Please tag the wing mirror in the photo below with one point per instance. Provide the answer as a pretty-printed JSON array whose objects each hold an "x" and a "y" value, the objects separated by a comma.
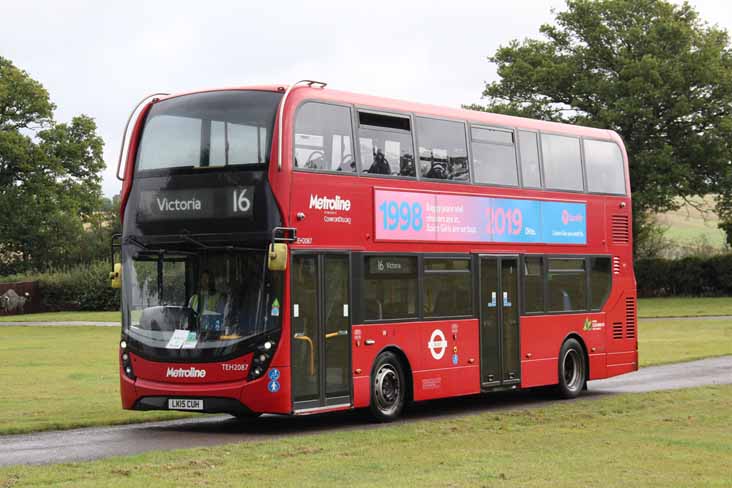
[
  {"x": 277, "y": 257},
  {"x": 116, "y": 276}
]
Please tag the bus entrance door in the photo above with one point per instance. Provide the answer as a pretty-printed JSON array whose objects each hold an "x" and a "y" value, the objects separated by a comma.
[
  {"x": 499, "y": 321},
  {"x": 321, "y": 330}
]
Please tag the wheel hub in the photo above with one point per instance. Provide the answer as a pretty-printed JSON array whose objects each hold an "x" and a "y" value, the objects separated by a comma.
[{"x": 387, "y": 389}]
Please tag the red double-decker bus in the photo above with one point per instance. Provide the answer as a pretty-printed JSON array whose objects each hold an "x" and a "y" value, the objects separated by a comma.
[{"x": 297, "y": 250}]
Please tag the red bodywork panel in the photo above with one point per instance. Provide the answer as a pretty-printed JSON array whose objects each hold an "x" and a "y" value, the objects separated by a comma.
[{"x": 610, "y": 340}]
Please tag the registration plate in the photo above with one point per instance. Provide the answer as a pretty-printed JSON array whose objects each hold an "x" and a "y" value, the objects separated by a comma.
[{"x": 184, "y": 404}]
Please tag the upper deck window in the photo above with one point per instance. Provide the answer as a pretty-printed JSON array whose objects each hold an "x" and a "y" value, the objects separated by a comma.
[
  {"x": 323, "y": 138},
  {"x": 530, "y": 166},
  {"x": 443, "y": 152},
  {"x": 210, "y": 129},
  {"x": 386, "y": 144},
  {"x": 562, "y": 162},
  {"x": 494, "y": 157},
  {"x": 604, "y": 164}
]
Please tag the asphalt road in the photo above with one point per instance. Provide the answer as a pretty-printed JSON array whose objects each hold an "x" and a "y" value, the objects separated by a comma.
[{"x": 95, "y": 443}]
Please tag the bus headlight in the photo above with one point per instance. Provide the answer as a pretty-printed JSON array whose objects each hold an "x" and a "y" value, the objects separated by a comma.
[
  {"x": 126, "y": 361},
  {"x": 262, "y": 358}
]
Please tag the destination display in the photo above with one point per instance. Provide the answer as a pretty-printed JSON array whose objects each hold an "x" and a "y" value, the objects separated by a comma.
[
  {"x": 196, "y": 204},
  {"x": 414, "y": 216}
]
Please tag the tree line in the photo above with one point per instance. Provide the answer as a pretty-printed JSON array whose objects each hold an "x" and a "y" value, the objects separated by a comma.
[{"x": 52, "y": 212}]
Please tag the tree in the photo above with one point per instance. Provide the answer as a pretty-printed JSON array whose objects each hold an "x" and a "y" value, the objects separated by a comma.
[
  {"x": 50, "y": 175},
  {"x": 648, "y": 69}
]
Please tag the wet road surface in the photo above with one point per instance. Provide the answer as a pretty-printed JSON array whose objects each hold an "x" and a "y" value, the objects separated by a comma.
[{"x": 100, "y": 442}]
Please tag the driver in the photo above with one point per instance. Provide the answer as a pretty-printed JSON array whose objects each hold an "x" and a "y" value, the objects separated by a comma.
[{"x": 207, "y": 300}]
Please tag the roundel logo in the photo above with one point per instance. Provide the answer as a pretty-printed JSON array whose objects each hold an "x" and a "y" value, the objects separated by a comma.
[{"x": 437, "y": 344}]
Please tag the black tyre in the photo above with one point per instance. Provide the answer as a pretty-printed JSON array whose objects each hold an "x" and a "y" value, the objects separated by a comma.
[
  {"x": 388, "y": 388},
  {"x": 572, "y": 369}
]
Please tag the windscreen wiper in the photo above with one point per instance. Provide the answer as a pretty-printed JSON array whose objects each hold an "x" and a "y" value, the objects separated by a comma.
[
  {"x": 202, "y": 245},
  {"x": 134, "y": 240}
]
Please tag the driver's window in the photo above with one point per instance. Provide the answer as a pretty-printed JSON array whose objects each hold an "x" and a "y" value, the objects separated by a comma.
[
  {"x": 323, "y": 138},
  {"x": 386, "y": 144}
]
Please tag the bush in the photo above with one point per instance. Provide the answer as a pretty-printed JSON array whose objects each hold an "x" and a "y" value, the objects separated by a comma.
[
  {"x": 691, "y": 276},
  {"x": 84, "y": 287}
]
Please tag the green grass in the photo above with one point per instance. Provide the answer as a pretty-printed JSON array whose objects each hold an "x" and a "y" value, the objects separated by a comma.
[
  {"x": 61, "y": 378},
  {"x": 673, "y": 341},
  {"x": 694, "y": 228},
  {"x": 684, "y": 307},
  {"x": 63, "y": 317},
  {"x": 65, "y": 377},
  {"x": 663, "y": 439}
]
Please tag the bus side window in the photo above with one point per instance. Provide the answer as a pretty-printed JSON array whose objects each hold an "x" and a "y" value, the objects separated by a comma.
[
  {"x": 447, "y": 288},
  {"x": 530, "y": 168},
  {"x": 534, "y": 284},
  {"x": 385, "y": 142},
  {"x": 390, "y": 287},
  {"x": 562, "y": 162},
  {"x": 443, "y": 151},
  {"x": 567, "y": 285},
  {"x": 601, "y": 281},
  {"x": 494, "y": 156},
  {"x": 323, "y": 138},
  {"x": 605, "y": 173}
]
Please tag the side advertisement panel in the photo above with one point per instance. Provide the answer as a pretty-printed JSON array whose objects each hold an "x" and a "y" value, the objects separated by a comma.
[{"x": 414, "y": 216}]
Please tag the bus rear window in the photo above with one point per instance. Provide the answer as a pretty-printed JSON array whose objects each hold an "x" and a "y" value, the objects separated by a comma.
[{"x": 212, "y": 129}]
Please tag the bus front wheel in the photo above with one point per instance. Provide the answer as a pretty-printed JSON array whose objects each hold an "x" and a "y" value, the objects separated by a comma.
[
  {"x": 388, "y": 387},
  {"x": 572, "y": 369}
]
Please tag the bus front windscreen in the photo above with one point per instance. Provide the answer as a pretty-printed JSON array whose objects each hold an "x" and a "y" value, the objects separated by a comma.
[
  {"x": 194, "y": 305},
  {"x": 211, "y": 129}
]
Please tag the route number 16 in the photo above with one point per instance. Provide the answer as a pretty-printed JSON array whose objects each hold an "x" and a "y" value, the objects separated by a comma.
[{"x": 241, "y": 201}]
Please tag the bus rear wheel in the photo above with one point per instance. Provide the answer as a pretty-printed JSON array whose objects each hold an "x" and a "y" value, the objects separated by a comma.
[
  {"x": 572, "y": 369},
  {"x": 388, "y": 387}
]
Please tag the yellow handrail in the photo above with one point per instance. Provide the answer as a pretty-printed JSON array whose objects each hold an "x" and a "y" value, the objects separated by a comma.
[{"x": 311, "y": 347}]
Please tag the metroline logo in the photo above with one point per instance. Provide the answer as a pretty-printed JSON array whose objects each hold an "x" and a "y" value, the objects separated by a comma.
[
  {"x": 325, "y": 203},
  {"x": 185, "y": 373}
]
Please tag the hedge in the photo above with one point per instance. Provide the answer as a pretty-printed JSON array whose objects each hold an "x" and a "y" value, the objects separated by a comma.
[
  {"x": 691, "y": 276},
  {"x": 84, "y": 287}
]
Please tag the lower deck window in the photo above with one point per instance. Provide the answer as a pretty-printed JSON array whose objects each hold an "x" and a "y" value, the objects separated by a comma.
[
  {"x": 390, "y": 287},
  {"x": 534, "y": 284},
  {"x": 447, "y": 288},
  {"x": 567, "y": 285}
]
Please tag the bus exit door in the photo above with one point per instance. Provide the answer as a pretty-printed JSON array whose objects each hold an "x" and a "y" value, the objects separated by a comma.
[
  {"x": 499, "y": 321},
  {"x": 321, "y": 330}
]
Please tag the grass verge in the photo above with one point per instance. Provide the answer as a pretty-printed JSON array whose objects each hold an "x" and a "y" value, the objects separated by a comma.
[
  {"x": 673, "y": 341},
  {"x": 64, "y": 317},
  {"x": 61, "y": 378},
  {"x": 684, "y": 307},
  {"x": 672, "y": 438}
]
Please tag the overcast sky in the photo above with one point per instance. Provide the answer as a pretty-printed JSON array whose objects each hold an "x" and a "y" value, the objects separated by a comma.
[{"x": 99, "y": 58}]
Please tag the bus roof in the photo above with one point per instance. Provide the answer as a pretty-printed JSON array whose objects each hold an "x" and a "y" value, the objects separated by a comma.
[{"x": 304, "y": 92}]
